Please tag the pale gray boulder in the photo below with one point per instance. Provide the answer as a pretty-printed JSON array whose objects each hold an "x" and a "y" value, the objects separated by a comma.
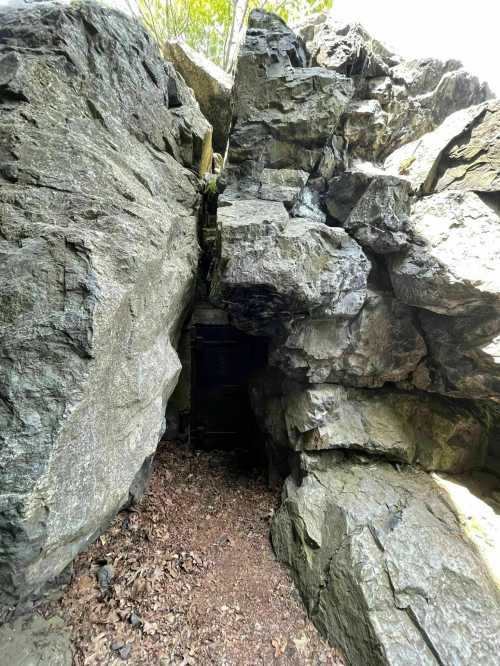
[
  {"x": 419, "y": 160},
  {"x": 97, "y": 265},
  {"x": 35, "y": 641},
  {"x": 383, "y": 566},
  {"x": 451, "y": 267},
  {"x": 282, "y": 185},
  {"x": 411, "y": 428},
  {"x": 472, "y": 161},
  {"x": 211, "y": 85},
  {"x": 381, "y": 344},
  {"x": 272, "y": 267}
]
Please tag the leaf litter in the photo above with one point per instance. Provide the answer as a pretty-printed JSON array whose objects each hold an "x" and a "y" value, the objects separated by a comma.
[{"x": 188, "y": 576}]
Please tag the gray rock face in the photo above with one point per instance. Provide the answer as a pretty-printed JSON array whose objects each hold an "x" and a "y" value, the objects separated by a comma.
[
  {"x": 274, "y": 267},
  {"x": 396, "y": 101},
  {"x": 411, "y": 428},
  {"x": 284, "y": 112},
  {"x": 419, "y": 161},
  {"x": 464, "y": 356},
  {"x": 98, "y": 259},
  {"x": 452, "y": 267},
  {"x": 472, "y": 162},
  {"x": 380, "y": 219},
  {"x": 383, "y": 567},
  {"x": 347, "y": 48},
  {"x": 347, "y": 351},
  {"x": 35, "y": 641},
  {"x": 211, "y": 86}
]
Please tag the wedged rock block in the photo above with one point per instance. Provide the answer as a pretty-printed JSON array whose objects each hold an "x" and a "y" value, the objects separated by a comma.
[
  {"x": 380, "y": 219},
  {"x": 472, "y": 162},
  {"x": 98, "y": 255},
  {"x": 383, "y": 566},
  {"x": 211, "y": 85},
  {"x": 272, "y": 267},
  {"x": 284, "y": 111},
  {"x": 419, "y": 161},
  {"x": 451, "y": 266},
  {"x": 433, "y": 432},
  {"x": 464, "y": 356},
  {"x": 380, "y": 344}
]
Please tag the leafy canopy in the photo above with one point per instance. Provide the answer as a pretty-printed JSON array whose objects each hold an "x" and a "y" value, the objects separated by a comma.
[{"x": 214, "y": 27}]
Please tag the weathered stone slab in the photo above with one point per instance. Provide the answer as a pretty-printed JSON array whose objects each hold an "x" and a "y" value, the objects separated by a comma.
[
  {"x": 211, "y": 86},
  {"x": 381, "y": 344},
  {"x": 419, "y": 161},
  {"x": 383, "y": 566},
  {"x": 472, "y": 162},
  {"x": 430, "y": 431},
  {"x": 452, "y": 266},
  {"x": 274, "y": 267}
]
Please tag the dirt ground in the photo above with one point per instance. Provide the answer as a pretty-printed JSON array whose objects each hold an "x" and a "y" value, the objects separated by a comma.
[{"x": 188, "y": 577}]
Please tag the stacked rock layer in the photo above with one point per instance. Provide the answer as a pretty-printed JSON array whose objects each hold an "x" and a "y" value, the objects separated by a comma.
[{"x": 359, "y": 231}]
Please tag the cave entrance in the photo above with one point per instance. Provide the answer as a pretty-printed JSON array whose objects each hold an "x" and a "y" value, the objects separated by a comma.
[{"x": 222, "y": 361}]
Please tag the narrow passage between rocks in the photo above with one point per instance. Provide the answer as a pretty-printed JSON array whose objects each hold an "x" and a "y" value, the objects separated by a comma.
[{"x": 189, "y": 575}]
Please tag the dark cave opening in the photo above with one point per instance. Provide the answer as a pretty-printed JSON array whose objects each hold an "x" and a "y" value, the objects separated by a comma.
[{"x": 211, "y": 404}]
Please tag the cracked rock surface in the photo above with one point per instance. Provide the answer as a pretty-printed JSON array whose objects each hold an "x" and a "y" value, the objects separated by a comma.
[
  {"x": 98, "y": 256},
  {"x": 383, "y": 567}
]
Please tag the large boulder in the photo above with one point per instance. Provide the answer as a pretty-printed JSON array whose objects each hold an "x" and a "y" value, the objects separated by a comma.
[
  {"x": 98, "y": 261},
  {"x": 419, "y": 161},
  {"x": 346, "y": 351},
  {"x": 284, "y": 111},
  {"x": 432, "y": 432},
  {"x": 211, "y": 86},
  {"x": 452, "y": 266},
  {"x": 384, "y": 567},
  {"x": 272, "y": 267}
]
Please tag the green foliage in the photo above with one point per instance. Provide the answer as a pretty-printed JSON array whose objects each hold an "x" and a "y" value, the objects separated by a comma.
[{"x": 214, "y": 27}]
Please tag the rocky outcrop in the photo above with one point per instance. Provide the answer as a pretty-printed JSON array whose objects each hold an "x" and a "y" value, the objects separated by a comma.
[
  {"x": 211, "y": 86},
  {"x": 284, "y": 111},
  {"x": 272, "y": 267},
  {"x": 382, "y": 565},
  {"x": 396, "y": 101},
  {"x": 347, "y": 242},
  {"x": 356, "y": 233},
  {"x": 346, "y": 351},
  {"x": 99, "y": 139},
  {"x": 433, "y": 432}
]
